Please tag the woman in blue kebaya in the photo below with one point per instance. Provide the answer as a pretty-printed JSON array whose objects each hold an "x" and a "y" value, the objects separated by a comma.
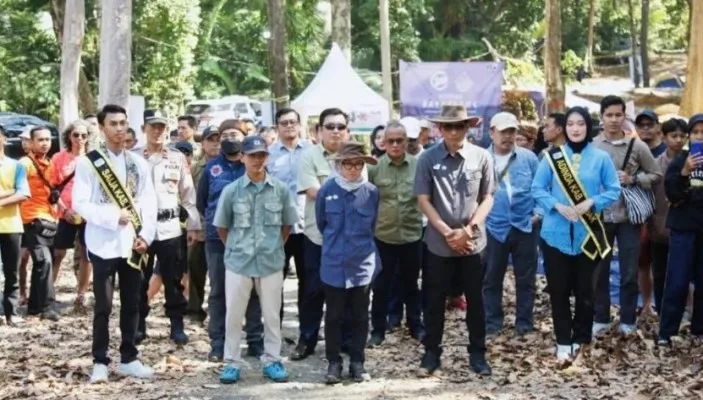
[
  {"x": 572, "y": 248},
  {"x": 346, "y": 209}
]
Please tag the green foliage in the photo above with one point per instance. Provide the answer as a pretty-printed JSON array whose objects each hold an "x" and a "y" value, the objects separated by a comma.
[{"x": 570, "y": 63}]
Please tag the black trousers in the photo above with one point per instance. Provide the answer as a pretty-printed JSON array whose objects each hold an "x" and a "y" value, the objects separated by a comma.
[
  {"x": 355, "y": 301},
  {"x": 660, "y": 262},
  {"x": 442, "y": 273},
  {"x": 103, "y": 287},
  {"x": 10, "y": 253},
  {"x": 568, "y": 274},
  {"x": 294, "y": 249},
  {"x": 41, "y": 292},
  {"x": 171, "y": 269},
  {"x": 400, "y": 263}
]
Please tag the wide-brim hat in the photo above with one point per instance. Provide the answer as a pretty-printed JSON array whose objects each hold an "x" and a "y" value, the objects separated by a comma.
[
  {"x": 452, "y": 114},
  {"x": 350, "y": 150}
]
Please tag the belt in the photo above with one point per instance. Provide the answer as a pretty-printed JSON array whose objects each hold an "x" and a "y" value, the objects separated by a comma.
[{"x": 167, "y": 214}]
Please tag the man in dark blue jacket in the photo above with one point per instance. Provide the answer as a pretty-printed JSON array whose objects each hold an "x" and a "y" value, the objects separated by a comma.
[{"x": 218, "y": 173}]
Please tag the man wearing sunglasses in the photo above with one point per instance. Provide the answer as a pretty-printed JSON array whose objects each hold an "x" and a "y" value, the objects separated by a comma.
[
  {"x": 314, "y": 169},
  {"x": 455, "y": 184}
]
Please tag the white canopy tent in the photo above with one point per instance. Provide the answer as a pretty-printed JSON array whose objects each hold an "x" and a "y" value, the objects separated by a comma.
[{"x": 338, "y": 85}]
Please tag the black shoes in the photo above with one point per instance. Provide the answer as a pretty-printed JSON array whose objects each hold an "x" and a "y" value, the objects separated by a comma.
[
  {"x": 51, "y": 315},
  {"x": 301, "y": 352},
  {"x": 429, "y": 364},
  {"x": 178, "y": 334},
  {"x": 255, "y": 350},
  {"x": 374, "y": 341},
  {"x": 334, "y": 373},
  {"x": 479, "y": 364},
  {"x": 357, "y": 373}
]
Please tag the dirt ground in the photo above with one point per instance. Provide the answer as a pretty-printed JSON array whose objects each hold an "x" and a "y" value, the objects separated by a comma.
[{"x": 53, "y": 361}]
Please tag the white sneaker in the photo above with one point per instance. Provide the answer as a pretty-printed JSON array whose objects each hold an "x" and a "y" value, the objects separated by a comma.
[
  {"x": 575, "y": 348},
  {"x": 99, "y": 373},
  {"x": 135, "y": 369},
  {"x": 598, "y": 328},
  {"x": 626, "y": 329},
  {"x": 563, "y": 352}
]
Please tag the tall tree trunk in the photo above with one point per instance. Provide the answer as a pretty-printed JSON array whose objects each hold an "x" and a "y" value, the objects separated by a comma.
[
  {"x": 277, "y": 52},
  {"x": 590, "y": 62},
  {"x": 692, "y": 101},
  {"x": 341, "y": 25},
  {"x": 633, "y": 39},
  {"x": 73, "y": 32},
  {"x": 644, "y": 43},
  {"x": 86, "y": 99},
  {"x": 115, "y": 52},
  {"x": 552, "y": 57}
]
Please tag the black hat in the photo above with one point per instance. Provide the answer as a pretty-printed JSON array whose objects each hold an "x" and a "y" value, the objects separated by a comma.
[
  {"x": 694, "y": 120},
  {"x": 209, "y": 131},
  {"x": 647, "y": 114},
  {"x": 185, "y": 147},
  {"x": 254, "y": 144},
  {"x": 155, "y": 117}
]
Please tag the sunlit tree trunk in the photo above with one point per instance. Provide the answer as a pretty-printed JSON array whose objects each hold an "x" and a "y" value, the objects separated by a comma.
[
  {"x": 277, "y": 52},
  {"x": 589, "y": 61},
  {"x": 552, "y": 57},
  {"x": 692, "y": 101},
  {"x": 115, "y": 52},
  {"x": 633, "y": 39},
  {"x": 341, "y": 25},
  {"x": 644, "y": 43},
  {"x": 73, "y": 32}
]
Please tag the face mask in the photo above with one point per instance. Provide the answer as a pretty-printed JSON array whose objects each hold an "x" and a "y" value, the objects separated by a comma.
[{"x": 231, "y": 147}]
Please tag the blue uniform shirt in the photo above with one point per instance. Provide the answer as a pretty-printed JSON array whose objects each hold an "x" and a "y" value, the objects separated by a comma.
[
  {"x": 513, "y": 202},
  {"x": 600, "y": 181},
  {"x": 283, "y": 165},
  {"x": 347, "y": 221},
  {"x": 217, "y": 174}
]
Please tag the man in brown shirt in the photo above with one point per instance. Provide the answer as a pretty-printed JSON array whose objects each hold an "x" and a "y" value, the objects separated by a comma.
[{"x": 641, "y": 170}]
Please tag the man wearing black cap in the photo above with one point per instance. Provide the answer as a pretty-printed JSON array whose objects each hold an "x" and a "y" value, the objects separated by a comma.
[
  {"x": 647, "y": 124},
  {"x": 174, "y": 188},
  {"x": 197, "y": 263}
]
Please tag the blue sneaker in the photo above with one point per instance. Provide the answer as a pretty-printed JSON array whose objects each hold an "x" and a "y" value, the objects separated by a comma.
[
  {"x": 229, "y": 375},
  {"x": 276, "y": 372}
]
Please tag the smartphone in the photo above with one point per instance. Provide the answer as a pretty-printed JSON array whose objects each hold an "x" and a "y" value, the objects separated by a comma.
[{"x": 696, "y": 148}]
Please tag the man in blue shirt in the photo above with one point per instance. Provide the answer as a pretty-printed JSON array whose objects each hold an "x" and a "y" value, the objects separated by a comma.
[
  {"x": 219, "y": 173},
  {"x": 283, "y": 162},
  {"x": 510, "y": 228}
]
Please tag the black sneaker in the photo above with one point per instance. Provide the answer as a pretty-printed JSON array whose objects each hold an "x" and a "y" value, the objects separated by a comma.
[
  {"x": 429, "y": 364},
  {"x": 479, "y": 364},
  {"x": 418, "y": 334},
  {"x": 663, "y": 342},
  {"x": 375, "y": 341},
  {"x": 357, "y": 373},
  {"x": 178, "y": 334},
  {"x": 140, "y": 337},
  {"x": 215, "y": 356},
  {"x": 334, "y": 373},
  {"x": 255, "y": 350},
  {"x": 51, "y": 315},
  {"x": 301, "y": 352}
]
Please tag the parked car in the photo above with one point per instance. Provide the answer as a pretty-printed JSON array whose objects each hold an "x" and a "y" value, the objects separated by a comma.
[
  {"x": 213, "y": 112},
  {"x": 15, "y": 124}
]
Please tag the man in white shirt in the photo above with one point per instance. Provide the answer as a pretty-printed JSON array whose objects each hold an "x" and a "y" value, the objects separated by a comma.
[{"x": 112, "y": 238}]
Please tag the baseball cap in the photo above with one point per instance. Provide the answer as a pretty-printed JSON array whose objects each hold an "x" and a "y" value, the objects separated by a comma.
[
  {"x": 254, "y": 144},
  {"x": 412, "y": 127},
  {"x": 647, "y": 114},
  {"x": 185, "y": 147},
  {"x": 209, "y": 131},
  {"x": 504, "y": 120},
  {"x": 694, "y": 120},
  {"x": 155, "y": 117}
]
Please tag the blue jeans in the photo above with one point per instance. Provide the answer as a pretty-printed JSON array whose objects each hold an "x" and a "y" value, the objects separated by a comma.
[
  {"x": 217, "y": 306},
  {"x": 685, "y": 265},
  {"x": 313, "y": 301},
  {"x": 523, "y": 248},
  {"x": 628, "y": 236}
]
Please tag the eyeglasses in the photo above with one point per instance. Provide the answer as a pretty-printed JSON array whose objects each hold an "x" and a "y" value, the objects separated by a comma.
[
  {"x": 333, "y": 127},
  {"x": 288, "y": 122},
  {"x": 392, "y": 142},
  {"x": 79, "y": 135},
  {"x": 353, "y": 166},
  {"x": 455, "y": 126}
]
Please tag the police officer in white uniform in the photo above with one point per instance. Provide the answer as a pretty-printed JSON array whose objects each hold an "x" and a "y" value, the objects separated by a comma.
[{"x": 174, "y": 188}]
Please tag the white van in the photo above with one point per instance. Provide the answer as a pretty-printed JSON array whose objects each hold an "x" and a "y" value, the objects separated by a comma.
[{"x": 213, "y": 112}]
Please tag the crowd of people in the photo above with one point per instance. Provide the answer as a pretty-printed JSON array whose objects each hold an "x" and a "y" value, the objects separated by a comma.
[{"x": 360, "y": 227}]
